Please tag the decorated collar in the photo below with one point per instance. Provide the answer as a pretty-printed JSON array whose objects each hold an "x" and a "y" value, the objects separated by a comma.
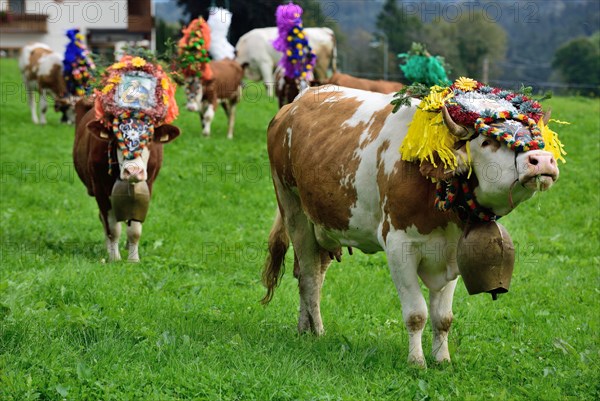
[
  {"x": 457, "y": 195},
  {"x": 193, "y": 50},
  {"x": 298, "y": 58}
]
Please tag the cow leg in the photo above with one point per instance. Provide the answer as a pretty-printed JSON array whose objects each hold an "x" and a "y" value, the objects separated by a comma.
[
  {"x": 403, "y": 260},
  {"x": 231, "y": 116},
  {"x": 310, "y": 261},
  {"x": 266, "y": 71},
  {"x": 134, "y": 232},
  {"x": 208, "y": 113},
  {"x": 440, "y": 309},
  {"x": 113, "y": 233},
  {"x": 43, "y": 106},
  {"x": 31, "y": 102}
]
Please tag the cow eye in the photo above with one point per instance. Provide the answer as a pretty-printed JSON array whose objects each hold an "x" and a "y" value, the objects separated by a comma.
[{"x": 485, "y": 143}]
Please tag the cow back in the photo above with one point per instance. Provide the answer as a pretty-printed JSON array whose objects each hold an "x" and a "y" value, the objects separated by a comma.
[
  {"x": 379, "y": 86},
  {"x": 227, "y": 79}
]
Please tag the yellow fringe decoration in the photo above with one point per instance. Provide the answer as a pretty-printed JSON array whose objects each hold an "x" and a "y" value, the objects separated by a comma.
[
  {"x": 551, "y": 142},
  {"x": 427, "y": 135}
]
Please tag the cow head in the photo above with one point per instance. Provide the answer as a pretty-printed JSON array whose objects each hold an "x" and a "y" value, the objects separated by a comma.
[
  {"x": 66, "y": 106},
  {"x": 193, "y": 92},
  {"x": 134, "y": 145},
  {"x": 505, "y": 177}
]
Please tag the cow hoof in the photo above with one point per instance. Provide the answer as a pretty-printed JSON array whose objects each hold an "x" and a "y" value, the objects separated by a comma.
[
  {"x": 417, "y": 362},
  {"x": 133, "y": 260},
  {"x": 114, "y": 258}
]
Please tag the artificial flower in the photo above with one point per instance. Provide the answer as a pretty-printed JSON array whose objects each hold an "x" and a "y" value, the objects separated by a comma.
[
  {"x": 465, "y": 84},
  {"x": 138, "y": 62},
  {"x": 107, "y": 88}
]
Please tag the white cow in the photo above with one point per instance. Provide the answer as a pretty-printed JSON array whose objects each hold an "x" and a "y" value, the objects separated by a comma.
[{"x": 255, "y": 49}]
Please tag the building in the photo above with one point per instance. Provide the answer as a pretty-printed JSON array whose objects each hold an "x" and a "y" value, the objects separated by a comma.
[{"x": 103, "y": 22}]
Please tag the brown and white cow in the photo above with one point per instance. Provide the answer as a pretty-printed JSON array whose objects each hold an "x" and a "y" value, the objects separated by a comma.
[
  {"x": 42, "y": 71},
  {"x": 224, "y": 88},
  {"x": 349, "y": 81},
  {"x": 93, "y": 144},
  {"x": 340, "y": 182}
]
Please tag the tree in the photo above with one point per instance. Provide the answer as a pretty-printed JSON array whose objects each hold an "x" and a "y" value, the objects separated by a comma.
[
  {"x": 164, "y": 32},
  {"x": 400, "y": 28},
  {"x": 578, "y": 62},
  {"x": 466, "y": 43}
]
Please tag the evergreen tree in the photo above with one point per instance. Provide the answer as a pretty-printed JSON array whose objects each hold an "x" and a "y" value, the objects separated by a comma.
[{"x": 578, "y": 62}]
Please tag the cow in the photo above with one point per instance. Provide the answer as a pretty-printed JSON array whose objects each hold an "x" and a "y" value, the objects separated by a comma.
[
  {"x": 42, "y": 71},
  {"x": 255, "y": 49},
  {"x": 92, "y": 147},
  {"x": 340, "y": 181},
  {"x": 349, "y": 81},
  {"x": 224, "y": 88}
]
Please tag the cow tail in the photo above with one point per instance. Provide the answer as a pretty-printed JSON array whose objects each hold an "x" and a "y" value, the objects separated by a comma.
[{"x": 279, "y": 242}]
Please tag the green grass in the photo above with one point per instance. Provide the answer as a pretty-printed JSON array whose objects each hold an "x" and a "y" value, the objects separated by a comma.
[{"x": 186, "y": 324}]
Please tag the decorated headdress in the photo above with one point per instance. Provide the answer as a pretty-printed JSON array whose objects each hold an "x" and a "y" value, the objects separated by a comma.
[
  {"x": 219, "y": 20},
  {"x": 471, "y": 104},
  {"x": 136, "y": 97},
  {"x": 193, "y": 50},
  {"x": 420, "y": 66},
  {"x": 78, "y": 66},
  {"x": 298, "y": 59}
]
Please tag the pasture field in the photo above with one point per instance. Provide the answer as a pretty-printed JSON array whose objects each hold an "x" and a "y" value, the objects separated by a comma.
[{"x": 186, "y": 323}]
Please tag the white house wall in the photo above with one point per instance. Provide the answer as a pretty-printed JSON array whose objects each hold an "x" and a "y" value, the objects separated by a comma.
[{"x": 65, "y": 15}]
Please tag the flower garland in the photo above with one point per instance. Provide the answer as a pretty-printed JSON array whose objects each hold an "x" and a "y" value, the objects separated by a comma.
[
  {"x": 298, "y": 58},
  {"x": 78, "y": 66},
  {"x": 193, "y": 50},
  {"x": 517, "y": 142},
  {"x": 136, "y": 97}
]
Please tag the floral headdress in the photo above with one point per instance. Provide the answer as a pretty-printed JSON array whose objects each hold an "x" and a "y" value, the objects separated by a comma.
[
  {"x": 78, "y": 66},
  {"x": 193, "y": 50},
  {"x": 136, "y": 97},
  {"x": 472, "y": 104},
  {"x": 219, "y": 20},
  {"x": 298, "y": 58}
]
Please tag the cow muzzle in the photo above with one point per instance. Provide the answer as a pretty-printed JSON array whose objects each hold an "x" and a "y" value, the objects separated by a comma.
[
  {"x": 539, "y": 171},
  {"x": 192, "y": 106},
  {"x": 133, "y": 171}
]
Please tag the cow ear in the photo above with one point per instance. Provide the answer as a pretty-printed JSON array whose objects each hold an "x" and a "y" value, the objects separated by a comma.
[
  {"x": 98, "y": 130},
  {"x": 166, "y": 133},
  {"x": 439, "y": 171}
]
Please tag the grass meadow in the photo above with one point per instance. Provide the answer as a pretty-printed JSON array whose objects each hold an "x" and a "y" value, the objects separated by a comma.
[{"x": 186, "y": 323}]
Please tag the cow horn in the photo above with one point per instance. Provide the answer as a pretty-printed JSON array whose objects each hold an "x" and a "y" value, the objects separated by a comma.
[
  {"x": 456, "y": 130},
  {"x": 546, "y": 116}
]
